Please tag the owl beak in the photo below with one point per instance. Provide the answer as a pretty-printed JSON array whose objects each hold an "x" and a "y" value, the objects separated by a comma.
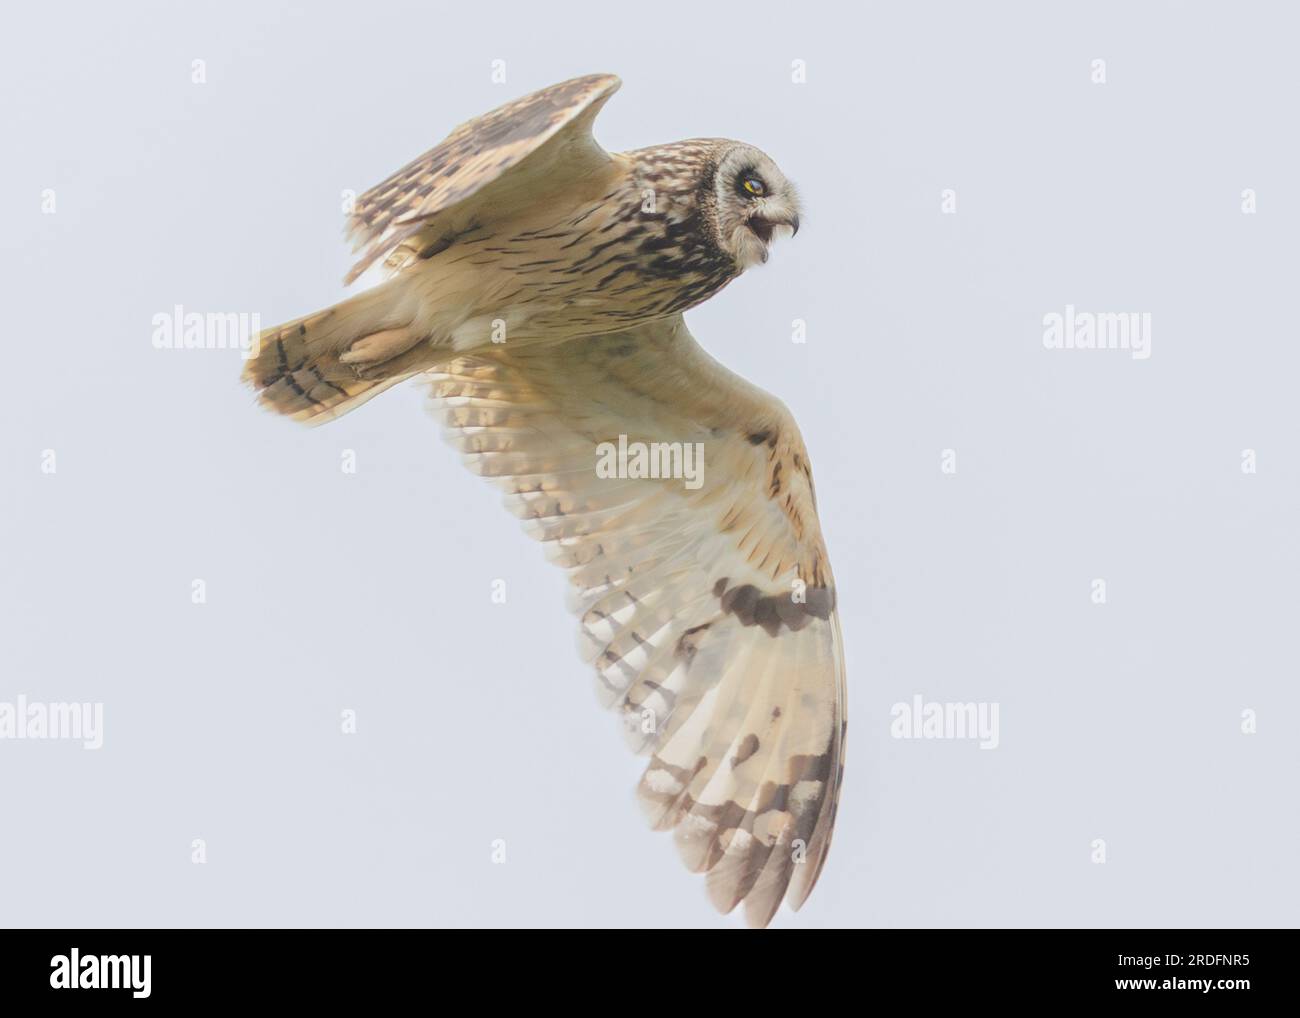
[{"x": 764, "y": 227}]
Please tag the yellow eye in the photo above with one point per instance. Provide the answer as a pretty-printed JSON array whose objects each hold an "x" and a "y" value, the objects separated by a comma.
[{"x": 754, "y": 186}]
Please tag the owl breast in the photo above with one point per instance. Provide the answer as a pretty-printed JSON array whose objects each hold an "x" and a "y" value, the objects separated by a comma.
[{"x": 641, "y": 252}]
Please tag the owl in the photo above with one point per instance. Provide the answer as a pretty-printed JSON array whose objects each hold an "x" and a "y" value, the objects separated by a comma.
[
  {"x": 519, "y": 228},
  {"x": 677, "y": 497}
]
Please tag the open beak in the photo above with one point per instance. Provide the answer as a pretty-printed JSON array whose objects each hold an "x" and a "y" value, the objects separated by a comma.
[{"x": 765, "y": 226}]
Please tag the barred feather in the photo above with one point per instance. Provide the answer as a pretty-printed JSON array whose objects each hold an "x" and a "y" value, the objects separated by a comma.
[{"x": 688, "y": 600}]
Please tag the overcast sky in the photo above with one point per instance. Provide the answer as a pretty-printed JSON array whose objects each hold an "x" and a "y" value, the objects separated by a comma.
[{"x": 966, "y": 174}]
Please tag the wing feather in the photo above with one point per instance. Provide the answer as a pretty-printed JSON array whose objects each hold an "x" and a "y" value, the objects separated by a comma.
[
  {"x": 477, "y": 165},
  {"x": 707, "y": 611}
]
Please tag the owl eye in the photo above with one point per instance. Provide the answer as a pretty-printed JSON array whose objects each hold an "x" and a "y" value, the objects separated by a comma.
[{"x": 752, "y": 185}]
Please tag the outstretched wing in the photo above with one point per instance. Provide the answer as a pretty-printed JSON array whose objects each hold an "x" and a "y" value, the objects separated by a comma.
[
  {"x": 706, "y": 600},
  {"x": 486, "y": 151}
]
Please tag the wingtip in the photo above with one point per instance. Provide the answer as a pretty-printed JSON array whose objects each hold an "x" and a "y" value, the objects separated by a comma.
[{"x": 611, "y": 83}]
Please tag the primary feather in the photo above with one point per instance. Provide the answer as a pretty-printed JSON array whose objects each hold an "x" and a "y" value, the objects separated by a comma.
[{"x": 708, "y": 612}]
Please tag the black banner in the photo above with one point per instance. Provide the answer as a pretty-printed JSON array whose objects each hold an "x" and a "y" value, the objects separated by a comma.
[{"x": 152, "y": 968}]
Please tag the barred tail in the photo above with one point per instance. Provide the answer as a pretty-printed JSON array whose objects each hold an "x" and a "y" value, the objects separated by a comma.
[{"x": 321, "y": 366}]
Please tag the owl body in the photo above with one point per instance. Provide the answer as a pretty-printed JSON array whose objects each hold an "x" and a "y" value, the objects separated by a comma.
[
  {"x": 540, "y": 282},
  {"x": 519, "y": 228},
  {"x": 636, "y": 244}
]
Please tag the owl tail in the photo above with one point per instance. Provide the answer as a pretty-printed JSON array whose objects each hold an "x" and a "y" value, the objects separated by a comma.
[{"x": 321, "y": 366}]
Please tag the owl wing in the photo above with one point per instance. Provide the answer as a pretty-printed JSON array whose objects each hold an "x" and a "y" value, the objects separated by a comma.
[
  {"x": 480, "y": 153},
  {"x": 706, "y": 601}
]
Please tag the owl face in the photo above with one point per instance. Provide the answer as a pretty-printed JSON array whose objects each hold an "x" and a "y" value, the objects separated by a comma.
[{"x": 754, "y": 202}]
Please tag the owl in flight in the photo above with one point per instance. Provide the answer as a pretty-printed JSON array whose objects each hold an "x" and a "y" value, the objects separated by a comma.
[{"x": 539, "y": 282}]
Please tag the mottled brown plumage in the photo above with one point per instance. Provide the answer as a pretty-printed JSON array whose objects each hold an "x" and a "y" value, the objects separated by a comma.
[
  {"x": 708, "y": 613},
  {"x": 543, "y": 281},
  {"x": 519, "y": 228}
]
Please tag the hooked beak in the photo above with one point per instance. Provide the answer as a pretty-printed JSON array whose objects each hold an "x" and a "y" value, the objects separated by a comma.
[{"x": 765, "y": 226}]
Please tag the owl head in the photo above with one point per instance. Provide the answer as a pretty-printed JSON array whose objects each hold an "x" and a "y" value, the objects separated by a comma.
[{"x": 753, "y": 202}]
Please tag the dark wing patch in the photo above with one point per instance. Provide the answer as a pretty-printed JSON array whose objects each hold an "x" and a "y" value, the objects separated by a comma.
[
  {"x": 474, "y": 154},
  {"x": 774, "y": 611},
  {"x": 688, "y": 606}
]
